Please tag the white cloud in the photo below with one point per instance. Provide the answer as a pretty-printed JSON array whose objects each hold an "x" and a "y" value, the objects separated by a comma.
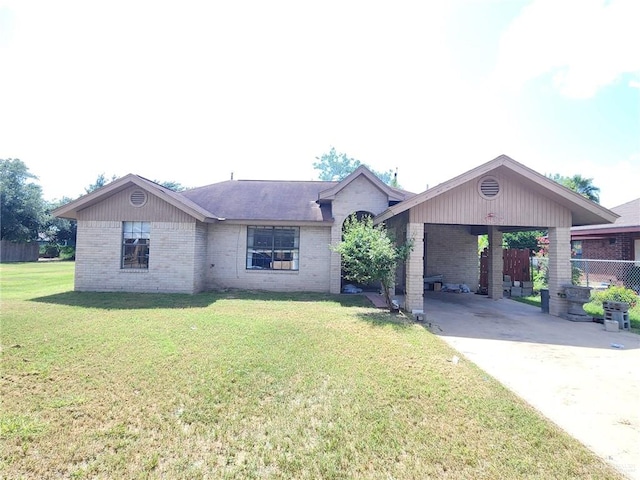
[{"x": 583, "y": 44}]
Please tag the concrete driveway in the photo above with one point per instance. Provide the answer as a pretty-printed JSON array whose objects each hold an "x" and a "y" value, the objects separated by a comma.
[{"x": 566, "y": 370}]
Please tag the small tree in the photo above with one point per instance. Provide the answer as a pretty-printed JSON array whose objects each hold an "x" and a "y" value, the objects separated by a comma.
[
  {"x": 370, "y": 254},
  {"x": 334, "y": 166}
]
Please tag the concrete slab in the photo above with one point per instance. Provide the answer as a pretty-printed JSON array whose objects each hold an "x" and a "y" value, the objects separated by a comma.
[{"x": 570, "y": 372}]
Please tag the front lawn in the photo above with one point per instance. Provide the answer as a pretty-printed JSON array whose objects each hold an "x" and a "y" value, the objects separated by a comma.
[{"x": 250, "y": 385}]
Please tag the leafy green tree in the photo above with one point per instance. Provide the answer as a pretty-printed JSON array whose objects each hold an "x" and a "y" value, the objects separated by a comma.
[
  {"x": 370, "y": 254},
  {"x": 100, "y": 182},
  {"x": 335, "y": 166},
  {"x": 21, "y": 203},
  {"x": 59, "y": 231},
  {"x": 521, "y": 240},
  {"x": 175, "y": 186},
  {"x": 579, "y": 184}
]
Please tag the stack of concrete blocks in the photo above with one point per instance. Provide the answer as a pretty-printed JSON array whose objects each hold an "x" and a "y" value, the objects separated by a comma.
[
  {"x": 527, "y": 289},
  {"x": 506, "y": 286},
  {"x": 516, "y": 288},
  {"x": 618, "y": 312}
]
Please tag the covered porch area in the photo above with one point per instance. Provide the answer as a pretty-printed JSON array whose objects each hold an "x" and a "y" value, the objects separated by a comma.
[{"x": 444, "y": 222}]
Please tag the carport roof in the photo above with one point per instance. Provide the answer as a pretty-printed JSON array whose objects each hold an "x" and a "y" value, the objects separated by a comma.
[{"x": 583, "y": 211}]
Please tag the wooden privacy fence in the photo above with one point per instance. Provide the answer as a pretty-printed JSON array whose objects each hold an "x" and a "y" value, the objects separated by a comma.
[
  {"x": 18, "y": 252},
  {"x": 515, "y": 263}
]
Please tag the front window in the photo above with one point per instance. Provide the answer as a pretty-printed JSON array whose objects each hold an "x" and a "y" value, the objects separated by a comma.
[
  {"x": 135, "y": 244},
  {"x": 272, "y": 248}
]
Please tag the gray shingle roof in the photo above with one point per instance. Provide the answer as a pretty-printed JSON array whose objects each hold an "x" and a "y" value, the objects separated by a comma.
[
  {"x": 263, "y": 200},
  {"x": 629, "y": 217}
]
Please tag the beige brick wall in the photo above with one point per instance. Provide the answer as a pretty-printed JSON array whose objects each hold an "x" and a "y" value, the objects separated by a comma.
[
  {"x": 201, "y": 266},
  {"x": 171, "y": 259},
  {"x": 359, "y": 195},
  {"x": 453, "y": 252},
  {"x": 227, "y": 251},
  {"x": 559, "y": 269},
  {"x": 414, "y": 298}
]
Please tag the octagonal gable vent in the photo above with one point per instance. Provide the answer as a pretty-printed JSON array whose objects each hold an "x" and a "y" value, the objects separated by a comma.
[
  {"x": 138, "y": 198},
  {"x": 489, "y": 187}
]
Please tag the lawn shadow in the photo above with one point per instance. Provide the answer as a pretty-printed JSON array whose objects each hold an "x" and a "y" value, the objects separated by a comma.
[
  {"x": 382, "y": 318},
  {"x": 128, "y": 301},
  {"x": 132, "y": 300}
]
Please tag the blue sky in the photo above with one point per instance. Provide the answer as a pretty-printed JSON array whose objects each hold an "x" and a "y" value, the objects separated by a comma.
[{"x": 192, "y": 91}]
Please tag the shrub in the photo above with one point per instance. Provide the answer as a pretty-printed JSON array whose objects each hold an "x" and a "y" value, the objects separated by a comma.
[
  {"x": 67, "y": 253},
  {"x": 50, "y": 250},
  {"x": 615, "y": 294}
]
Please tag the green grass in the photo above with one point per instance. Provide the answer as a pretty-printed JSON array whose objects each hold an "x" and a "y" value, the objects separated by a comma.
[{"x": 250, "y": 385}]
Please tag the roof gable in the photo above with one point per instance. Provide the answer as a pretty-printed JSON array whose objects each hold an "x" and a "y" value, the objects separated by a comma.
[
  {"x": 330, "y": 194},
  {"x": 583, "y": 211},
  {"x": 71, "y": 209}
]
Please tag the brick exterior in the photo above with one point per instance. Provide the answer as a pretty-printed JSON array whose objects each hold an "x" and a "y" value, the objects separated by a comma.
[
  {"x": 414, "y": 297},
  {"x": 187, "y": 256},
  {"x": 559, "y": 269},
  {"x": 496, "y": 264},
  {"x": 227, "y": 252},
  {"x": 171, "y": 259},
  {"x": 618, "y": 246},
  {"x": 452, "y": 251}
]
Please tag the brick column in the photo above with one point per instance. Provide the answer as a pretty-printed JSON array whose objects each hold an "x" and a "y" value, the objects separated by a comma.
[
  {"x": 335, "y": 267},
  {"x": 495, "y": 263},
  {"x": 414, "y": 296},
  {"x": 559, "y": 268}
]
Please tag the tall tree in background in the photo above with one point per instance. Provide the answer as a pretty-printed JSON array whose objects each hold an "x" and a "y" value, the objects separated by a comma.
[
  {"x": 521, "y": 240},
  {"x": 171, "y": 185},
  {"x": 579, "y": 184},
  {"x": 100, "y": 182},
  {"x": 21, "y": 204},
  {"x": 59, "y": 231},
  {"x": 335, "y": 166}
]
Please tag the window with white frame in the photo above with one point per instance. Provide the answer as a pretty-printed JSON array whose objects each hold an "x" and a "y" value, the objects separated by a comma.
[
  {"x": 136, "y": 237},
  {"x": 273, "y": 248}
]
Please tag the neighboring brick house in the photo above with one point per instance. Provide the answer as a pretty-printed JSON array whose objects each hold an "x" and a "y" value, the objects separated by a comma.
[
  {"x": 619, "y": 240},
  {"x": 135, "y": 235}
]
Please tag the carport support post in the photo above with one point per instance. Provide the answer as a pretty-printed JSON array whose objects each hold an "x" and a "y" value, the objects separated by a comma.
[
  {"x": 414, "y": 295},
  {"x": 559, "y": 269},
  {"x": 495, "y": 263}
]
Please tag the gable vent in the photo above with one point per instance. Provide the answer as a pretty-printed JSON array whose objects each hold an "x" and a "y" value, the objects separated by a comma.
[
  {"x": 489, "y": 187},
  {"x": 138, "y": 198}
]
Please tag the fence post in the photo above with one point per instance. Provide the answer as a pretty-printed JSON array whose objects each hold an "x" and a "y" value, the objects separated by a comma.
[{"x": 586, "y": 270}]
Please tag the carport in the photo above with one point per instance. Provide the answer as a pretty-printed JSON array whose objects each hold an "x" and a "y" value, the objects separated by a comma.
[
  {"x": 497, "y": 197},
  {"x": 570, "y": 372}
]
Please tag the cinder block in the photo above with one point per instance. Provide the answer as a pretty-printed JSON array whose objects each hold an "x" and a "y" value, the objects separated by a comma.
[
  {"x": 611, "y": 326},
  {"x": 516, "y": 291}
]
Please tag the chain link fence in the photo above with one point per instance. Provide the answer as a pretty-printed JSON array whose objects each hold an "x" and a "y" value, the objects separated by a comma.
[
  {"x": 598, "y": 274},
  {"x": 606, "y": 273}
]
